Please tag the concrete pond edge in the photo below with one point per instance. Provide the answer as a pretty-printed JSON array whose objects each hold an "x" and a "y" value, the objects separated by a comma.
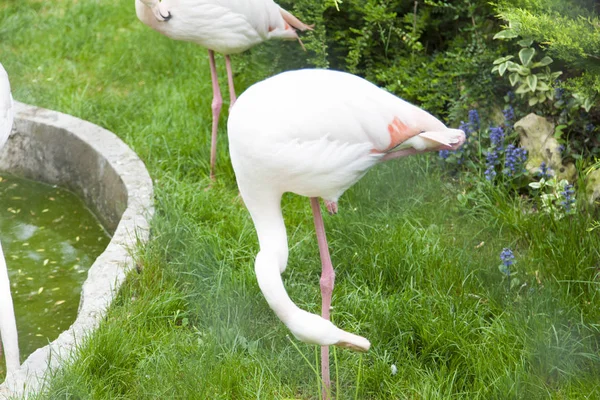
[{"x": 93, "y": 162}]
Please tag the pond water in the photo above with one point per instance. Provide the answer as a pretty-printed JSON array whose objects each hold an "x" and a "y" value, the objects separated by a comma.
[{"x": 50, "y": 239}]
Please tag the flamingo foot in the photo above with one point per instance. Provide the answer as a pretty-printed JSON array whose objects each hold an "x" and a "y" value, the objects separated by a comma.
[{"x": 332, "y": 207}]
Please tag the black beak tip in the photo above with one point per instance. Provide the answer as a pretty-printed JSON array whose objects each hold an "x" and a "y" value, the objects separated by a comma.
[{"x": 167, "y": 17}]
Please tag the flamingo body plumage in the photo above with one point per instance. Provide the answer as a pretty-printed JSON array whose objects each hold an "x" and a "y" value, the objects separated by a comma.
[
  {"x": 224, "y": 26},
  {"x": 316, "y": 133},
  {"x": 8, "y": 327}
]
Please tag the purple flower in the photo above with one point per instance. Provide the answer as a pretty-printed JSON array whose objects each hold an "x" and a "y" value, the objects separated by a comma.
[
  {"x": 569, "y": 199},
  {"x": 497, "y": 137},
  {"x": 466, "y": 128},
  {"x": 491, "y": 159},
  {"x": 474, "y": 119},
  {"x": 444, "y": 154},
  {"x": 509, "y": 114},
  {"x": 514, "y": 160},
  {"x": 545, "y": 171},
  {"x": 507, "y": 257},
  {"x": 589, "y": 127}
]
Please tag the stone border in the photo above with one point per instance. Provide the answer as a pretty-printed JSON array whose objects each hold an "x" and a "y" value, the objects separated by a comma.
[{"x": 60, "y": 149}]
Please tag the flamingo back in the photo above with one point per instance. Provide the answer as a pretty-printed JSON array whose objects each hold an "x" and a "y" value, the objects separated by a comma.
[{"x": 316, "y": 132}]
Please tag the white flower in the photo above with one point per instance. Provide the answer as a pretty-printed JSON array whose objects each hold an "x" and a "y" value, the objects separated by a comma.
[{"x": 394, "y": 369}]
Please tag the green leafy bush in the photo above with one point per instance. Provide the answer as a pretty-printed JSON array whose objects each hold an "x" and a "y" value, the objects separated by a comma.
[
  {"x": 567, "y": 31},
  {"x": 536, "y": 85}
]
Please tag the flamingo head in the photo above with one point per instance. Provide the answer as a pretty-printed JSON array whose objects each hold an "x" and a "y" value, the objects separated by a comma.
[
  {"x": 313, "y": 329},
  {"x": 457, "y": 138}
]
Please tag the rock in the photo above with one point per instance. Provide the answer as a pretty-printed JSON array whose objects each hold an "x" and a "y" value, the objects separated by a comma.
[
  {"x": 592, "y": 186},
  {"x": 537, "y": 137},
  {"x": 496, "y": 115}
]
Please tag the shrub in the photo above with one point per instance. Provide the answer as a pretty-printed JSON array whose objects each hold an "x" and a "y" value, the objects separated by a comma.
[{"x": 567, "y": 31}]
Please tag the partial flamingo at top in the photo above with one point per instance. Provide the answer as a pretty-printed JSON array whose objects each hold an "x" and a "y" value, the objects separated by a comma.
[{"x": 224, "y": 26}]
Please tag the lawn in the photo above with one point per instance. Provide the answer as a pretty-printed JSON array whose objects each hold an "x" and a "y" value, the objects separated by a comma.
[{"x": 416, "y": 259}]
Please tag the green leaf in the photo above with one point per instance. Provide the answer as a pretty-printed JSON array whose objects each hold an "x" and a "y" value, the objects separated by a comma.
[
  {"x": 513, "y": 66},
  {"x": 549, "y": 94},
  {"x": 533, "y": 101},
  {"x": 504, "y": 269},
  {"x": 524, "y": 88},
  {"x": 514, "y": 282},
  {"x": 541, "y": 96},
  {"x": 503, "y": 59},
  {"x": 545, "y": 61},
  {"x": 495, "y": 68},
  {"x": 525, "y": 42},
  {"x": 542, "y": 86},
  {"x": 506, "y": 34},
  {"x": 587, "y": 104},
  {"x": 532, "y": 82},
  {"x": 558, "y": 131},
  {"x": 502, "y": 68},
  {"x": 514, "y": 78},
  {"x": 535, "y": 185},
  {"x": 555, "y": 75},
  {"x": 525, "y": 55},
  {"x": 524, "y": 71}
]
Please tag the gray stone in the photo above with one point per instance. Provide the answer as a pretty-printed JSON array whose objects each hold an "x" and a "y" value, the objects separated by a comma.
[
  {"x": 59, "y": 149},
  {"x": 592, "y": 185},
  {"x": 537, "y": 137}
]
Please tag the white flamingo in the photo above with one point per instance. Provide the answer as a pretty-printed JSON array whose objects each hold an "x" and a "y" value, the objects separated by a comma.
[
  {"x": 315, "y": 133},
  {"x": 224, "y": 26},
  {"x": 8, "y": 326}
]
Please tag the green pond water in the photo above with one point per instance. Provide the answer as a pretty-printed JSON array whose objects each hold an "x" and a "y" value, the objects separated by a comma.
[{"x": 50, "y": 239}]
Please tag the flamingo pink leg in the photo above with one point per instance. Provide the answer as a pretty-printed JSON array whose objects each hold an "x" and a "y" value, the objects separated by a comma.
[
  {"x": 216, "y": 110},
  {"x": 232, "y": 97},
  {"x": 327, "y": 280}
]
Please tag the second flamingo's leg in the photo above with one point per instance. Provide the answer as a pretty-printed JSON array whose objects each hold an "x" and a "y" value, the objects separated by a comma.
[
  {"x": 8, "y": 326},
  {"x": 217, "y": 102},
  {"x": 232, "y": 97},
  {"x": 327, "y": 280}
]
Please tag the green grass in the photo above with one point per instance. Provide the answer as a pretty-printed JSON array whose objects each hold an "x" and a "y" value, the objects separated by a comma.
[{"x": 412, "y": 273}]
